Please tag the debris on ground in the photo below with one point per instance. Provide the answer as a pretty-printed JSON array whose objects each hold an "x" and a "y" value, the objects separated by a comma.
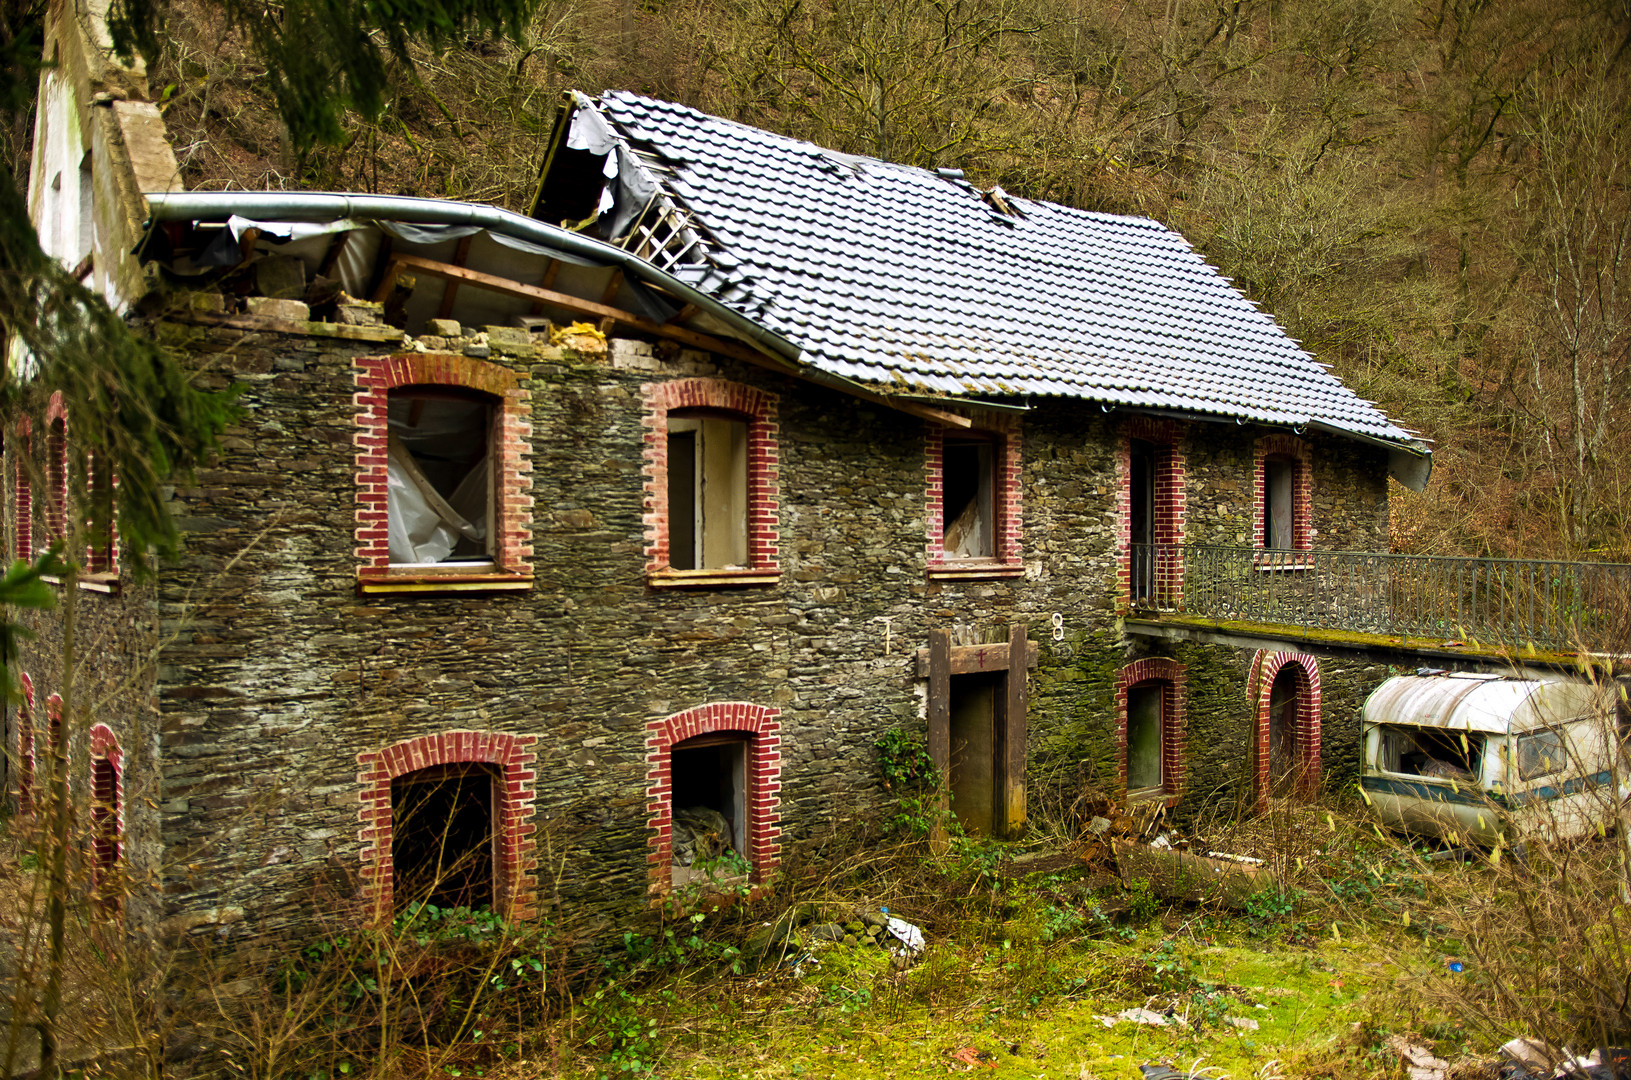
[
  {"x": 1137, "y": 1016},
  {"x": 1420, "y": 1062}
]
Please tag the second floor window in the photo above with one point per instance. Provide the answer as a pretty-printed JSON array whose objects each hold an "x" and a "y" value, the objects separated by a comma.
[
  {"x": 439, "y": 475},
  {"x": 707, "y": 491}
]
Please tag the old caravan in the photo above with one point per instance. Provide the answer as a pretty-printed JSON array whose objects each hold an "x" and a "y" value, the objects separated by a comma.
[{"x": 1475, "y": 757}]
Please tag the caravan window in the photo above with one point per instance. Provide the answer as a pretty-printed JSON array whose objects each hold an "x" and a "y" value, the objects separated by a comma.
[
  {"x": 1540, "y": 754},
  {"x": 1431, "y": 752}
]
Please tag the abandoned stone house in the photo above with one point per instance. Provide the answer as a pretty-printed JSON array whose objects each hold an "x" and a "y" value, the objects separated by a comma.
[{"x": 540, "y": 556}]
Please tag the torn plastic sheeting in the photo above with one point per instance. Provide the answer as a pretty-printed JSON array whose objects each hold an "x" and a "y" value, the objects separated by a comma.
[
  {"x": 910, "y": 937},
  {"x": 423, "y": 527}
]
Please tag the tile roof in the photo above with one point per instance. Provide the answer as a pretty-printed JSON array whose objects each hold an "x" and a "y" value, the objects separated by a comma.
[{"x": 906, "y": 277}]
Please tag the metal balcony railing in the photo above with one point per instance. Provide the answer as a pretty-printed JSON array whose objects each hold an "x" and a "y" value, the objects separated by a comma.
[{"x": 1510, "y": 603}]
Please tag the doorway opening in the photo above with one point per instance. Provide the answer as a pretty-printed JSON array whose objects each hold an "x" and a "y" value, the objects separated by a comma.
[
  {"x": 978, "y": 708},
  {"x": 1284, "y": 703},
  {"x": 709, "y": 795},
  {"x": 1146, "y": 728},
  {"x": 1141, "y": 521},
  {"x": 442, "y": 836}
]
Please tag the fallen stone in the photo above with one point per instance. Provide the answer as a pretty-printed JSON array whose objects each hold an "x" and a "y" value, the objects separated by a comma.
[{"x": 271, "y": 307}]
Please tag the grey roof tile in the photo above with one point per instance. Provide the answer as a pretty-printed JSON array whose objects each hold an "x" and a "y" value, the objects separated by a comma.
[{"x": 895, "y": 275}]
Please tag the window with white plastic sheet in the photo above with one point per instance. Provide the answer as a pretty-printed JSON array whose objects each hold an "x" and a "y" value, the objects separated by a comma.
[{"x": 439, "y": 476}]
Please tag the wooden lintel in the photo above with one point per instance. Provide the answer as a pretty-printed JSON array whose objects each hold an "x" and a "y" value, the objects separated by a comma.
[
  {"x": 461, "y": 255},
  {"x": 541, "y": 296},
  {"x": 975, "y": 659}
]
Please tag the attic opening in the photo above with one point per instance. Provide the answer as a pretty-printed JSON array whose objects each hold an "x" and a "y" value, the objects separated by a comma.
[
  {"x": 440, "y": 496},
  {"x": 570, "y": 188},
  {"x": 708, "y": 777},
  {"x": 967, "y": 486},
  {"x": 1443, "y": 755},
  {"x": 707, "y": 491},
  {"x": 442, "y": 836}
]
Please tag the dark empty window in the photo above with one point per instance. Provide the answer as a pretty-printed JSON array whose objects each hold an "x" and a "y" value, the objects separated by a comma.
[
  {"x": 1279, "y": 503},
  {"x": 707, "y": 492},
  {"x": 967, "y": 486},
  {"x": 442, "y": 837},
  {"x": 709, "y": 799},
  {"x": 440, "y": 477}
]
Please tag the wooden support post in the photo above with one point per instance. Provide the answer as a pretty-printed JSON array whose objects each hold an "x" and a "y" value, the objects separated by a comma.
[
  {"x": 450, "y": 290},
  {"x": 940, "y": 729},
  {"x": 1011, "y": 790}
]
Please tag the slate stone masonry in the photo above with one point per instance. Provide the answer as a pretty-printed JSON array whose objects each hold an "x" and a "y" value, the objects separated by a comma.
[{"x": 275, "y": 679}]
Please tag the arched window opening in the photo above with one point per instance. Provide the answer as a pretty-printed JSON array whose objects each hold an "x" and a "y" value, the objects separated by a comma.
[
  {"x": 105, "y": 830},
  {"x": 710, "y": 799},
  {"x": 442, "y": 839}
]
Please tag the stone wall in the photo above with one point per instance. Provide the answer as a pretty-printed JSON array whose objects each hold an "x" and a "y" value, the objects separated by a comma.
[{"x": 282, "y": 688}]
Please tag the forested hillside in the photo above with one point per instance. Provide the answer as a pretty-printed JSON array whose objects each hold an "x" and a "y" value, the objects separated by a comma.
[{"x": 1431, "y": 194}]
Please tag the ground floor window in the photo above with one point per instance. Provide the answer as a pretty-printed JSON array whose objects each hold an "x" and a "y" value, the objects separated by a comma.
[
  {"x": 442, "y": 836},
  {"x": 107, "y": 816},
  {"x": 710, "y": 807},
  {"x": 1150, "y": 728},
  {"x": 713, "y": 781},
  {"x": 1288, "y": 724},
  {"x": 447, "y": 819}
]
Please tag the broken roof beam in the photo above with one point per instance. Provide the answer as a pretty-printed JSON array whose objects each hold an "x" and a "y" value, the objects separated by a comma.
[{"x": 682, "y": 334}]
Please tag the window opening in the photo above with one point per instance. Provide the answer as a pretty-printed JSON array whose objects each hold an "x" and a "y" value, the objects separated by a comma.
[
  {"x": 100, "y": 553},
  {"x": 25, "y": 759},
  {"x": 1540, "y": 754},
  {"x": 709, "y": 796},
  {"x": 440, "y": 498},
  {"x": 1145, "y": 706},
  {"x": 707, "y": 492},
  {"x": 56, "y": 479},
  {"x": 967, "y": 480},
  {"x": 105, "y": 828},
  {"x": 1142, "y": 523},
  {"x": 442, "y": 836},
  {"x": 1278, "y": 487},
  {"x": 1443, "y": 755},
  {"x": 977, "y": 703},
  {"x": 1283, "y": 705}
]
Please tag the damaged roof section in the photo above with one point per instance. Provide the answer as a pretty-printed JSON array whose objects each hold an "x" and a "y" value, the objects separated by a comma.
[{"x": 920, "y": 281}]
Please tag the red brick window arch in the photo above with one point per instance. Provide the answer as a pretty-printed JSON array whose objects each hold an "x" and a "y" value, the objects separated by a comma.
[
  {"x": 26, "y": 761},
  {"x": 23, "y": 492},
  {"x": 711, "y": 471},
  {"x": 1150, "y": 467},
  {"x": 56, "y": 468},
  {"x": 1283, "y": 482},
  {"x": 1286, "y": 689},
  {"x": 107, "y": 792},
  {"x": 1150, "y": 728},
  {"x": 722, "y": 763},
  {"x": 444, "y": 494},
  {"x": 974, "y": 506},
  {"x": 451, "y": 774}
]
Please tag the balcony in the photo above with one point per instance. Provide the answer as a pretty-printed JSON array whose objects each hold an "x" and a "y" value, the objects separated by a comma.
[{"x": 1506, "y": 606}]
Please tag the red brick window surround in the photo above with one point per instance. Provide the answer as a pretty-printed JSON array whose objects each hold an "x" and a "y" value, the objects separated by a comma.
[
  {"x": 973, "y": 509},
  {"x": 731, "y": 539},
  {"x": 515, "y": 863},
  {"x": 23, "y": 493},
  {"x": 1282, "y": 478},
  {"x": 455, "y": 388},
  {"x": 26, "y": 762},
  {"x": 56, "y": 468},
  {"x": 757, "y": 731},
  {"x": 1150, "y": 512},
  {"x": 107, "y": 791},
  {"x": 1154, "y": 760},
  {"x": 1292, "y": 767}
]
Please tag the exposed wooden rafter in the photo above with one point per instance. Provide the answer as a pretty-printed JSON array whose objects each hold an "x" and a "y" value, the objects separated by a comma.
[{"x": 685, "y": 335}]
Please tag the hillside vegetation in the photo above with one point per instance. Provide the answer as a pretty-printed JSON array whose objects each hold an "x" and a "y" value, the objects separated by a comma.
[{"x": 1431, "y": 194}]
